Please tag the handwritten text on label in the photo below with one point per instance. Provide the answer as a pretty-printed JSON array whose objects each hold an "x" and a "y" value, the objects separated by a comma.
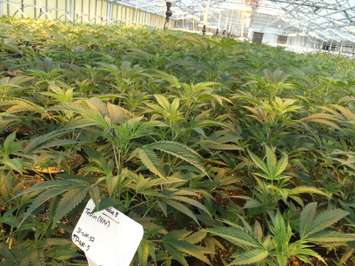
[{"x": 108, "y": 237}]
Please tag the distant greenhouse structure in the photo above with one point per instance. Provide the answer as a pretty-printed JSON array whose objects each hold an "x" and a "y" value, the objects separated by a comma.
[
  {"x": 81, "y": 11},
  {"x": 300, "y": 25}
]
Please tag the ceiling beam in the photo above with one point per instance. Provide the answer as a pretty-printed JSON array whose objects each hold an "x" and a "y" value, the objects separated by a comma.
[{"x": 313, "y": 4}]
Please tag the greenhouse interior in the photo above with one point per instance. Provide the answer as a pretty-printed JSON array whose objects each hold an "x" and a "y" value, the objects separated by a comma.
[{"x": 185, "y": 132}]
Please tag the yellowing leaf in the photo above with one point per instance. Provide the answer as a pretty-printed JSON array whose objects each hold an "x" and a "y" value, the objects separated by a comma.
[
  {"x": 48, "y": 170},
  {"x": 118, "y": 114}
]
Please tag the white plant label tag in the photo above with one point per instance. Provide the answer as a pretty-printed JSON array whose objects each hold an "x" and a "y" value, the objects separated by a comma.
[{"x": 107, "y": 237}]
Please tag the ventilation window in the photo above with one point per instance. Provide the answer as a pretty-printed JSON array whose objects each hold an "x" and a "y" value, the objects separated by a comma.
[
  {"x": 258, "y": 37},
  {"x": 281, "y": 39}
]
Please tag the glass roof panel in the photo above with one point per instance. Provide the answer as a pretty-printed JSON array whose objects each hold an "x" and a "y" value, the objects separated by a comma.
[{"x": 326, "y": 19}]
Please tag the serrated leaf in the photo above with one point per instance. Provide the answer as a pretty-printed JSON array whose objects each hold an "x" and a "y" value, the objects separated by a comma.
[
  {"x": 151, "y": 161},
  {"x": 250, "y": 257},
  {"x": 176, "y": 254},
  {"x": 306, "y": 189},
  {"x": 191, "y": 250},
  {"x": 162, "y": 101},
  {"x": 196, "y": 237},
  {"x": 186, "y": 248},
  {"x": 330, "y": 237},
  {"x": 146, "y": 249},
  {"x": 258, "y": 162},
  {"x": 281, "y": 165},
  {"x": 68, "y": 202},
  {"x": 182, "y": 208},
  {"x": 38, "y": 142},
  {"x": 180, "y": 151},
  {"x": 270, "y": 158},
  {"x": 40, "y": 199},
  {"x": 235, "y": 236},
  {"x": 192, "y": 202},
  {"x": 306, "y": 218},
  {"x": 326, "y": 219}
]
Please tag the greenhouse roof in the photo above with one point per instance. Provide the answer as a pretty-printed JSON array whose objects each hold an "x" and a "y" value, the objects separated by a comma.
[{"x": 322, "y": 19}]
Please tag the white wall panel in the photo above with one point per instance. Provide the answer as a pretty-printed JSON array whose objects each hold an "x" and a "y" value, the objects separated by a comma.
[{"x": 81, "y": 11}]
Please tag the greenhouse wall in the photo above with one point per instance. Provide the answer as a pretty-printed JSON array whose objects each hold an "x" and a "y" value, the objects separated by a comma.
[
  {"x": 297, "y": 42},
  {"x": 81, "y": 11},
  {"x": 301, "y": 43},
  {"x": 270, "y": 34},
  {"x": 270, "y": 38}
]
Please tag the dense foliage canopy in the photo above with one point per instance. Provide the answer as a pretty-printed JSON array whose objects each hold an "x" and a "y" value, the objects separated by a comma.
[{"x": 226, "y": 152}]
